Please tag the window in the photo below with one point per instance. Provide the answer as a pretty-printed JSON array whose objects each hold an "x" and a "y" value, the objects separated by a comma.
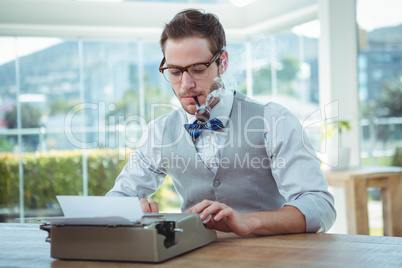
[
  {"x": 380, "y": 79},
  {"x": 71, "y": 110},
  {"x": 283, "y": 67}
]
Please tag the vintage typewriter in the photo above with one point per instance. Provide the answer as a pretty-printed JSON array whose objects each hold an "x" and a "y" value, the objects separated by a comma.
[
  {"x": 155, "y": 238},
  {"x": 116, "y": 229}
]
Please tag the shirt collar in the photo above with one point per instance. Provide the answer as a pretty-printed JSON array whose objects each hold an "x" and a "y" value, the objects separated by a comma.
[{"x": 221, "y": 110}]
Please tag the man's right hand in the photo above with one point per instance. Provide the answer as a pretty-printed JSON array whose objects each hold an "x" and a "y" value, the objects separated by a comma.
[{"x": 149, "y": 207}]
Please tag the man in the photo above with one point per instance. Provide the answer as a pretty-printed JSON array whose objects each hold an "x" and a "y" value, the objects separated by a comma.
[{"x": 254, "y": 176}]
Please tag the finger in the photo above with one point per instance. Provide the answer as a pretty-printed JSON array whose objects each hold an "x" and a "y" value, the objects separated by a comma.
[
  {"x": 198, "y": 208},
  {"x": 209, "y": 223},
  {"x": 227, "y": 212},
  {"x": 214, "y": 208},
  {"x": 207, "y": 219},
  {"x": 154, "y": 207},
  {"x": 145, "y": 205},
  {"x": 190, "y": 210}
]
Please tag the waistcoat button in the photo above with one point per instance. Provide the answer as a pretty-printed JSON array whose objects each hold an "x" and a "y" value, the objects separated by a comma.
[{"x": 217, "y": 183}]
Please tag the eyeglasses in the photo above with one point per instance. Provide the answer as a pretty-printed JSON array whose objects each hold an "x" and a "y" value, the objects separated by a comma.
[{"x": 198, "y": 71}]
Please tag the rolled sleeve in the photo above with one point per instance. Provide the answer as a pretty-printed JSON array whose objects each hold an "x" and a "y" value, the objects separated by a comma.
[{"x": 297, "y": 171}]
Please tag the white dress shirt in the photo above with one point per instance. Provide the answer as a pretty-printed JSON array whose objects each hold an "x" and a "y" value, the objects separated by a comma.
[{"x": 301, "y": 182}]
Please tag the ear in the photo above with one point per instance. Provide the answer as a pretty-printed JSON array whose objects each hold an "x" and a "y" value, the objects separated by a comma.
[{"x": 224, "y": 61}]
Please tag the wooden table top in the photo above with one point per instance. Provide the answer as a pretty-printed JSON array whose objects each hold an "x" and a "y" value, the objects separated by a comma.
[{"x": 23, "y": 245}]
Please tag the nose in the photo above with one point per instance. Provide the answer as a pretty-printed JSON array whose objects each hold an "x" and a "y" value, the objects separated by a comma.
[{"x": 186, "y": 81}]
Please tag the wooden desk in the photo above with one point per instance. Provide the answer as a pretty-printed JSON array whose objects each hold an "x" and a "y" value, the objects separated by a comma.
[
  {"x": 24, "y": 246},
  {"x": 356, "y": 181}
]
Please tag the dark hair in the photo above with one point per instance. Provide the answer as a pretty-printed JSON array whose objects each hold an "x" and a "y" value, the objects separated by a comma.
[{"x": 193, "y": 22}]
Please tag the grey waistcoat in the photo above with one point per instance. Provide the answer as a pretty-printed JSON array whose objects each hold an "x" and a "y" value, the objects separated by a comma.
[{"x": 243, "y": 180}]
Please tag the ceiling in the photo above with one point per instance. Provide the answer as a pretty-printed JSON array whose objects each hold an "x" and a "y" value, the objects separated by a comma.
[{"x": 143, "y": 20}]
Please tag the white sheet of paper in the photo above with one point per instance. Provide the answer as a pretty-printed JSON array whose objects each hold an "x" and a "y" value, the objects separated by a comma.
[
  {"x": 89, "y": 221},
  {"x": 100, "y": 206}
]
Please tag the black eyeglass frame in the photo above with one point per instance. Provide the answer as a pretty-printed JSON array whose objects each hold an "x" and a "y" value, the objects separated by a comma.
[{"x": 185, "y": 69}]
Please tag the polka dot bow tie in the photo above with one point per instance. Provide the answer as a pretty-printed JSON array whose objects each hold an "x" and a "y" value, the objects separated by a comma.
[{"x": 195, "y": 130}]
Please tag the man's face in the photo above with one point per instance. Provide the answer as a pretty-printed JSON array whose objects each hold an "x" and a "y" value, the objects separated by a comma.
[{"x": 184, "y": 52}]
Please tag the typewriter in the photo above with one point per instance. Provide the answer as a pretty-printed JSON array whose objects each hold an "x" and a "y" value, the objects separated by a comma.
[{"x": 154, "y": 238}]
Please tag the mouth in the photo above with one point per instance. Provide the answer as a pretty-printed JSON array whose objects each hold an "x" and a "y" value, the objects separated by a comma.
[{"x": 191, "y": 98}]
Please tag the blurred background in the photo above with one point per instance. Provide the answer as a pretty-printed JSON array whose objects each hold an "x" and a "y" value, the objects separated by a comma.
[{"x": 79, "y": 81}]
